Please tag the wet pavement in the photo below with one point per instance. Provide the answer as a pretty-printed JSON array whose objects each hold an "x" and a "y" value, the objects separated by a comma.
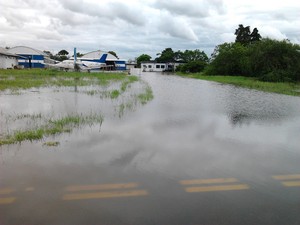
[{"x": 198, "y": 153}]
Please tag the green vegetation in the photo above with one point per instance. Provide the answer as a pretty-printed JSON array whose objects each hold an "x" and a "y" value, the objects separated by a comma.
[
  {"x": 267, "y": 60},
  {"x": 252, "y": 62},
  {"x": 250, "y": 82},
  {"x": 252, "y": 56},
  {"x": 191, "y": 67},
  {"x": 141, "y": 98},
  {"x": 25, "y": 79},
  {"x": 114, "y": 94},
  {"x": 51, "y": 127},
  {"x": 39, "y": 127},
  {"x": 145, "y": 97},
  {"x": 142, "y": 58}
]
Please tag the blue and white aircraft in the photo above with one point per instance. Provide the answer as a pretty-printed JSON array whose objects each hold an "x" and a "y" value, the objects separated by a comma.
[{"x": 84, "y": 64}]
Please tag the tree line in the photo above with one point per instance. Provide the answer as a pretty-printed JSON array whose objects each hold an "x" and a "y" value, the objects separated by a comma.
[
  {"x": 194, "y": 60},
  {"x": 250, "y": 55}
]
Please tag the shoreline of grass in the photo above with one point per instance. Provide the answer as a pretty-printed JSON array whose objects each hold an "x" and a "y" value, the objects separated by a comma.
[
  {"x": 52, "y": 127},
  {"x": 31, "y": 78},
  {"x": 292, "y": 89}
]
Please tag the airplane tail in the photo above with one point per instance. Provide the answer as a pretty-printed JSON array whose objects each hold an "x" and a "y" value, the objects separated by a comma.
[{"x": 103, "y": 58}]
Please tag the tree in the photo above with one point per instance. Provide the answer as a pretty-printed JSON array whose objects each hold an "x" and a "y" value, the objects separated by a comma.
[
  {"x": 166, "y": 55},
  {"x": 245, "y": 36},
  {"x": 49, "y": 54},
  {"x": 114, "y": 54},
  {"x": 78, "y": 54},
  {"x": 142, "y": 58},
  {"x": 192, "y": 67},
  {"x": 190, "y": 55},
  {"x": 255, "y": 36},
  {"x": 276, "y": 61},
  {"x": 61, "y": 55},
  {"x": 63, "y": 52},
  {"x": 230, "y": 59}
]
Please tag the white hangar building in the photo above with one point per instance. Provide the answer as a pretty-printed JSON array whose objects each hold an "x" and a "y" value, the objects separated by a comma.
[
  {"x": 111, "y": 60},
  {"x": 29, "y": 57},
  {"x": 7, "y": 60}
]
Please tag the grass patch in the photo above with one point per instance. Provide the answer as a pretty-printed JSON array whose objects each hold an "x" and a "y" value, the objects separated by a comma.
[
  {"x": 114, "y": 94},
  {"x": 142, "y": 98},
  {"x": 29, "y": 78},
  {"x": 250, "y": 82},
  {"x": 145, "y": 97},
  {"x": 16, "y": 80},
  {"x": 52, "y": 127}
]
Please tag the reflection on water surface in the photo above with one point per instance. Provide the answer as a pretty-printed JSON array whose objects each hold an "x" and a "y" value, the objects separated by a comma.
[{"x": 192, "y": 129}]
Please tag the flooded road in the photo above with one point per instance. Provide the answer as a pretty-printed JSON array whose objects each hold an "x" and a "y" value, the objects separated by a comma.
[{"x": 198, "y": 153}]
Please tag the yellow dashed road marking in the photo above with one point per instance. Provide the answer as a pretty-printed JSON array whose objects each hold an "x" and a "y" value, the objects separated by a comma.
[
  {"x": 216, "y": 184},
  {"x": 5, "y": 191},
  {"x": 287, "y": 177},
  {"x": 217, "y": 188},
  {"x": 101, "y": 187},
  {"x": 105, "y": 191},
  {"x": 209, "y": 181},
  {"x": 289, "y": 180},
  {"x": 7, "y": 200},
  {"x": 97, "y": 195},
  {"x": 291, "y": 183}
]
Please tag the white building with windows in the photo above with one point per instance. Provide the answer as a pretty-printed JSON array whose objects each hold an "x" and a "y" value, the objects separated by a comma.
[{"x": 153, "y": 66}]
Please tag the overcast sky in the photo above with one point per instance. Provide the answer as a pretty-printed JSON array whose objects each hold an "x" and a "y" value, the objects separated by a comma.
[{"x": 133, "y": 27}]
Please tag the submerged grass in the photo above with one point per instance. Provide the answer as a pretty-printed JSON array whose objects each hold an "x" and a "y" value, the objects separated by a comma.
[
  {"x": 141, "y": 98},
  {"x": 16, "y": 80},
  {"x": 252, "y": 83},
  {"x": 52, "y": 127},
  {"x": 145, "y": 97}
]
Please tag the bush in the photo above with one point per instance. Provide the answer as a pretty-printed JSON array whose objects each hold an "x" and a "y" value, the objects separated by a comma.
[
  {"x": 268, "y": 60},
  {"x": 192, "y": 67},
  {"x": 229, "y": 59},
  {"x": 273, "y": 60}
]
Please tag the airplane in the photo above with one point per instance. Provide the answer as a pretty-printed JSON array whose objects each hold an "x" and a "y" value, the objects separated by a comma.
[{"x": 84, "y": 64}]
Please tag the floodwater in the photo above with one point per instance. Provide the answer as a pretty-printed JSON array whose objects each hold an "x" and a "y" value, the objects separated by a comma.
[{"x": 198, "y": 153}]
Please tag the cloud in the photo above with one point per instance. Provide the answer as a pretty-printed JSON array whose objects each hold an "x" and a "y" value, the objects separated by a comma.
[
  {"x": 272, "y": 32},
  {"x": 111, "y": 10},
  {"x": 135, "y": 27},
  {"x": 194, "y": 8},
  {"x": 177, "y": 27}
]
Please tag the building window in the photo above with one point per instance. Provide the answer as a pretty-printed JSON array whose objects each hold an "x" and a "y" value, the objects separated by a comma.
[
  {"x": 149, "y": 66},
  {"x": 162, "y": 66},
  {"x": 157, "y": 66}
]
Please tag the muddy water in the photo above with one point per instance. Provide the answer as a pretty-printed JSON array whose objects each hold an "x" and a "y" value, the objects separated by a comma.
[{"x": 198, "y": 153}]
